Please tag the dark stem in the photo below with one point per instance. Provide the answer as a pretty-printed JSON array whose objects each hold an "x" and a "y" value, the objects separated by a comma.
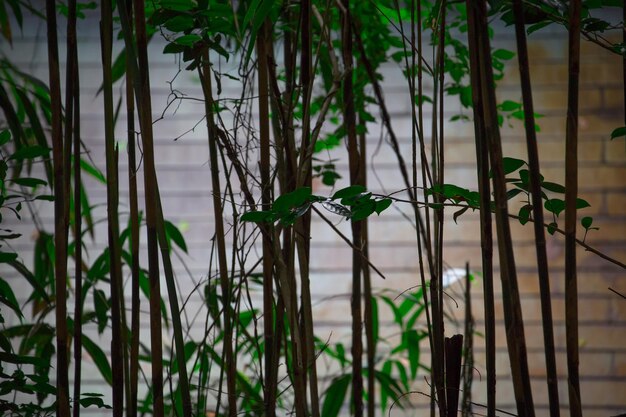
[
  {"x": 510, "y": 292},
  {"x": 571, "y": 193},
  {"x": 230, "y": 360},
  {"x": 134, "y": 235},
  {"x": 356, "y": 177},
  {"x": 60, "y": 204},
  {"x": 536, "y": 194}
]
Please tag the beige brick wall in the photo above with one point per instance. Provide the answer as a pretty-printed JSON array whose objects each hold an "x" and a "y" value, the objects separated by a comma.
[{"x": 186, "y": 194}]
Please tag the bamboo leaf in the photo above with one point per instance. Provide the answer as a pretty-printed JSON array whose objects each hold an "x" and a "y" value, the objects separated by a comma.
[
  {"x": 335, "y": 396},
  {"x": 175, "y": 235},
  {"x": 29, "y": 182},
  {"x": 99, "y": 359},
  {"x": 30, "y": 152},
  {"x": 5, "y": 137},
  {"x": 7, "y": 297}
]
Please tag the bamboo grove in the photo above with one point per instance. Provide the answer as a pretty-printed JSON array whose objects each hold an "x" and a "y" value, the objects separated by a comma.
[{"x": 309, "y": 76}]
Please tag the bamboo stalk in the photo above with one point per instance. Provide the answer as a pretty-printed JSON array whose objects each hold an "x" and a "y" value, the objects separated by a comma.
[
  {"x": 78, "y": 250},
  {"x": 134, "y": 235},
  {"x": 468, "y": 347},
  {"x": 72, "y": 137},
  {"x": 60, "y": 203},
  {"x": 303, "y": 224},
  {"x": 440, "y": 374},
  {"x": 139, "y": 60},
  {"x": 486, "y": 232},
  {"x": 117, "y": 360},
  {"x": 356, "y": 177},
  {"x": 230, "y": 359},
  {"x": 271, "y": 356},
  {"x": 535, "y": 189},
  {"x": 571, "y": 194},
  {"x": 510, "y": 292},
  {"x": 367, "y": 295}
]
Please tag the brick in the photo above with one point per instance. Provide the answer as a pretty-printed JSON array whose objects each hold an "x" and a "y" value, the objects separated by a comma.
[
  {"x": 602, "y": 337},
  {"x": 596, "y": 393},
  {"x": 615, "y": 150},
  {"x": 616, "y": 203},
  {"x": 613, "y": 97}
]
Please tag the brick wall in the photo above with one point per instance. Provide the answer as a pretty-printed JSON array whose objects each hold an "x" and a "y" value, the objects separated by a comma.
[{"x": 183, "y": 173}]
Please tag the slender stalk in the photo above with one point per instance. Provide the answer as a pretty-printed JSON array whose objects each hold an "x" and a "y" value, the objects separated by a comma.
[
  {"x": 514, "y": 323},
  {"x": 271, "y": 356},
  {"x": 60, "y": 227},
  {"x": 367, "y": 295},
  {"x": 139, "y": 60},
  {"x": 468, "y": 347},
  {"x": 78, "y": 250},
  {"x": 535, "y": 189},
  {"x": 356, "y": 177},
  {"x": 571, "y": 193},
  {"x": 230, "y": 360},
  {"x": 303, "y": 224},
  {"x": 72, "y": 138},
  {"x": 436, "y": 287},
  {"x": 117, "y": 361},
  {"x": 134, "y": 235},
  {"x": 486, "y": 231}
]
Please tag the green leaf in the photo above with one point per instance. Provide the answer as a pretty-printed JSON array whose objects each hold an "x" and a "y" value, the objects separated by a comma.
[
  {"x": 503, "y": 54},
  {"x": 292, "y": 200},
  {"x": 347, "y": 192},
  {"x": 363, "y": 210},
  {"x": 93, "y": 401},
  {"x": 22, "y": 359},
  {"x": 580, "y": 203},
  {"x": 92, "y": 171},
  {"x": 29, "y": 182},
  {"x": 458, "y": 213},
  {"x": 524, "y": 213},
  {"x": 382, "y": 205},
  {"x": 187, "y": 40},
  {"x": 335, "y": 396},
  {"x": 6, "y": 257},
  {"x": 511, "y": 164},
  {"x": 257, "y": 216},
  {"x": 7, "y": 297},
  {"x": 554, "y": 187},
  {"x": 413, "y": 347},
  {"x": 552, "y": 228},
  {"x": 175, "y": 235},
  {"x": 5, "y": 137},
  {"x": 101, "y": 306},
  {"x": 510, "y": 105},
  {"x": 512, "y": 193},
  {"x": 172, "y": 48},
  {"x": 177, "y": 5},
  {"x": 619, "y": 132},
  {"x": 99, "y": 359},
  {"x": 586, "y": 222},
  {"x": 555, "y": 206},
  {"x": 30, "y": 152},
  {"x": 179, "y": 23}
]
